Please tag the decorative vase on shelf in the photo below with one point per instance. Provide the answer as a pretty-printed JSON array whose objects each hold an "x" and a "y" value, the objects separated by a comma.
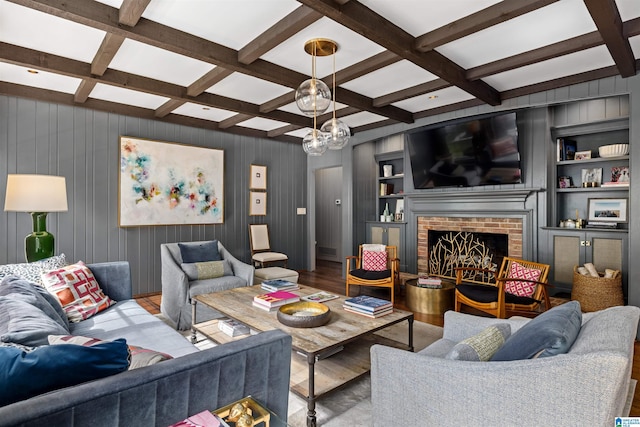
[{"x": 385, "y": 214}]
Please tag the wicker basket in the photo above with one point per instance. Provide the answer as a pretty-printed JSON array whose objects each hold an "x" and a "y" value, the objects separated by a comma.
[{"x": 596, "y": 293}]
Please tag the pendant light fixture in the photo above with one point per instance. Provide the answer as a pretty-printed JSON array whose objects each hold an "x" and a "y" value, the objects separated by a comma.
[
  {"x": 313, "y": 97},
  {"x": 338, "y": 133}
]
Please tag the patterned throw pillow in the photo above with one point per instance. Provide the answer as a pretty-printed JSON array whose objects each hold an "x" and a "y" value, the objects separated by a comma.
[
  {"x": 521, "y": 289},
  {"x": 32, "y": 271},
  {"x": 481, "y": 347},
  {"x": 374, "y": 260},
  {"x": 77, "y": 290},
  {"x": 139, "y": 356},
  {"x": 207, "y": 270}
]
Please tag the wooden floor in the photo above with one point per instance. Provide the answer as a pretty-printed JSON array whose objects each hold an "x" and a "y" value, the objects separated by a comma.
[{"x": 328, "y": 277}]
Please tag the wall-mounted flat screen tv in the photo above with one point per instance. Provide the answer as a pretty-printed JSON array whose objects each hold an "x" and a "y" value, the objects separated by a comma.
[{"x": 482, "y": 151}]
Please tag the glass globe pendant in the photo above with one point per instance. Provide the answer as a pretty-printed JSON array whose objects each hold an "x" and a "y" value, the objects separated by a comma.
[
  {"x": 315, "y": 143},
  {"x": 337, "y": 132},
  {"x": 313, "y": 97}
]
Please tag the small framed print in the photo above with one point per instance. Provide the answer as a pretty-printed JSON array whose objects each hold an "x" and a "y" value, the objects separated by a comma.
[
  {"x": 592, "y": 175},
  {"x": 258, "y": 179},
  {"x": 582, "y": 155},
  {"x": 257, "y": 203},
  {"x": 565, "y": 182},
  {"x": 609, "y": 210}
]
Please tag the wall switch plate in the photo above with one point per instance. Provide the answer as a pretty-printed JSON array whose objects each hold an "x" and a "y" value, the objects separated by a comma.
[{"x": 301, "y": 211}]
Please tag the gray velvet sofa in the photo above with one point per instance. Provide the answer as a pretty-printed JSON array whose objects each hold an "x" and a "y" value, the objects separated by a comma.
[
  {"x": 589, "y": 386},
  {"x": 178, "y": 290},
  {"x": 169, "y": 391}
]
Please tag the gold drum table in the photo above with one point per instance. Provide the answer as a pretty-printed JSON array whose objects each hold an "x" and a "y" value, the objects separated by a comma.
[{"x": 429, "y": 300}]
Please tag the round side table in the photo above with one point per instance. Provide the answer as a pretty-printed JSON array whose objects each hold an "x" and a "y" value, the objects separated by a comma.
[{"x": 429, "y": 300}]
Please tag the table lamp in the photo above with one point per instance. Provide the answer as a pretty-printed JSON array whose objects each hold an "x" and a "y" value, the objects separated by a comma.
[{"x": 39, "y": 195}]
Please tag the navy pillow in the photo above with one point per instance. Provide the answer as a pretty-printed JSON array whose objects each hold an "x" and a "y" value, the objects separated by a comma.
[
  {"x": 35, "y": 295},
  {"x": 199, "y": 252},
  {"x": 552, "y": 332},
  {"x": 27, "y": 374}
]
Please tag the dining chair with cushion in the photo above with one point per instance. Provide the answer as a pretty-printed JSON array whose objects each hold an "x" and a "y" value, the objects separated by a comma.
[{"x": 261, "y": 252}]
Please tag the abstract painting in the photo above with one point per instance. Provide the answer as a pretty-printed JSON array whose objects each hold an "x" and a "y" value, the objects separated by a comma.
[{"x": 162, "y": 183}]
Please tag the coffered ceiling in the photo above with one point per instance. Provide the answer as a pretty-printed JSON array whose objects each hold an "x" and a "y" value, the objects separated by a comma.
[{"x": 234, "y": 65}]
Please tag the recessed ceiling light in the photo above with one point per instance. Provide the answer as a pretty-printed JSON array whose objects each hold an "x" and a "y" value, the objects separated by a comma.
[
  {"x": 33, "y": 71},
  {"x": 433, "y": 97},
  {"x": 206, "y": 108}
]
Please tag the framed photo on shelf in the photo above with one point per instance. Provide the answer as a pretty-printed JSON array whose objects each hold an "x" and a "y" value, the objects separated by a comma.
[
  {"x": 583, "y": 155},
  {"x": 257, "y": 203},
  {"x": 592, "y": 175},
  {"x": 607, "y": 210},
  {"x": 620, "y": 174},
  {"x": 258, "y": 179},
  {"x": 565, "y": 182}
]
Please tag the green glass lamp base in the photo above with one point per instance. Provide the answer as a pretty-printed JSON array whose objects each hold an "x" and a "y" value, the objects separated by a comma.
[{"x": 39, "y": 244}]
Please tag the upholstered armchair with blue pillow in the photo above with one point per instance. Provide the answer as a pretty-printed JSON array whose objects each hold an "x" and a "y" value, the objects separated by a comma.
[{"x": 196, "y": 268}]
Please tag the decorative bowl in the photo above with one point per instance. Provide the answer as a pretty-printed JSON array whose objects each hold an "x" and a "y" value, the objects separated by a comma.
[
  {"x": 304, "y": 314},
  {"x": 613, "y": 150}
]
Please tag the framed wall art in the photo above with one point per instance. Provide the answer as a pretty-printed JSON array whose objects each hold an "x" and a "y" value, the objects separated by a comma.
[
  {"x": 258, "y": 180},
  {"x": 257, "y": 203},
  {"x": 609, "y": 210},
  {"x": 165, "y": 183}
]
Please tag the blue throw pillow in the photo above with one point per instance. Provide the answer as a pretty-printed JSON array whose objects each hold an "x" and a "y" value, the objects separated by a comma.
[
  {"x": 27, "y": 374},
  {"x": 36, "y": 295},
  {"x": 199, "y": 252},
  {"x": 552, "y": 332}
]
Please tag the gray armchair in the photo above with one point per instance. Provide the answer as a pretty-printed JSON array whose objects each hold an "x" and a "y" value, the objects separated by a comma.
[{"x": 178, "y": 289}]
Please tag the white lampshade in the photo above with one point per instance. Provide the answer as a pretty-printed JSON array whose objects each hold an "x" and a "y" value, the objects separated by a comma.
[{"x": 36, "y": 193}]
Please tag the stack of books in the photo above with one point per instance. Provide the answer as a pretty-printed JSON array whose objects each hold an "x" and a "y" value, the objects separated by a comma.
[
  {"x": 273, "y": 300},
  {"x": 278, "y": 285},
  {"x": 616, "y": 184},
  {"x": 429, "y": 282},
  {"x": 368, "y": 306},
  {"x": 233, "y": 328}
]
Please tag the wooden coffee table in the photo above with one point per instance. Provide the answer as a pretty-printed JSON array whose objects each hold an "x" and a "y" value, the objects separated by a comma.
[{"x": 313, "y": 373}]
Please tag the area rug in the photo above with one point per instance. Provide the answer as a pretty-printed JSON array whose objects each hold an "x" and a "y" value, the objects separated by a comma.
[{"x": 349, "y": 405}]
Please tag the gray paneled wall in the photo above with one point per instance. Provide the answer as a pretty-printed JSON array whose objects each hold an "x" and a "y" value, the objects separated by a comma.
[{"x": 83, "y": 146}]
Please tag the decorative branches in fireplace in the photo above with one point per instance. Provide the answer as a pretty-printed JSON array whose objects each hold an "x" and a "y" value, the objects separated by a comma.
[{"x": 453, "y": 249}]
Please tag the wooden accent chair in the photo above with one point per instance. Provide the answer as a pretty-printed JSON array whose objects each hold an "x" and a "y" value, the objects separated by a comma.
[
  {"x": 506, "y": 295},
  {"x": 357, "y": 275},
  {"x": 261, "y": 253}
]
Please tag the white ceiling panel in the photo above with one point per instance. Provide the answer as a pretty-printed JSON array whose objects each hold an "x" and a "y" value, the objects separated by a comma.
[
  {"x": 40, "y": 31},
  {"x": 629, "y": 9},
  {"x": 635, "y": 46},
  {"x": 361, "y": 119},
  {"x": 401, "y": 75},
  {"x": 262, "y": 124},
  {"x": 43, "y": 80},
  {"x": 426, "y": 15},
  {"x": 300, "y": 133},
  {"x": 112, "y": 3},
  {"x": 352, "y": 48},
  {"x": 562, "y": 20},
  {"x": 439, "y": 98},
  {"x": 149, "y": 61},
  {"x": 579, "y": 62},
  {"x": 232, "y": 23},
  {"x": 127, "y": 96},
  {"x": 201, "y": 112},
  {"x": 247, "y": 88}
]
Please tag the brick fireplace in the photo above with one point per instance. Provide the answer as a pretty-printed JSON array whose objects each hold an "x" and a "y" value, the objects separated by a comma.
[{"x": 511, "y": 227}]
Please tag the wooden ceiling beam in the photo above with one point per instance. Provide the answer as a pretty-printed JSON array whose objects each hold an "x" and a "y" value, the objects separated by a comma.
[
  {"x": 84, "y": 90},
  {"x": 357, "y": 17},
  {"x": 166, "y": 108},
  {"x": 205, "y": 82},
  {"x": 234, "y": 120},
  {"x": 411, "y": 92},
  {"x": 104, "y": 17},
  {"x": 131, "y": 11},
  {"x": 346, "y": 111},
  {"x": 106, "y": 52},
  {"x": 607, "y": 18},
  {"x": 485, "y": 18},
  {"x": 291, "y": 24},
  {"x": 70, "y": 67}
]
